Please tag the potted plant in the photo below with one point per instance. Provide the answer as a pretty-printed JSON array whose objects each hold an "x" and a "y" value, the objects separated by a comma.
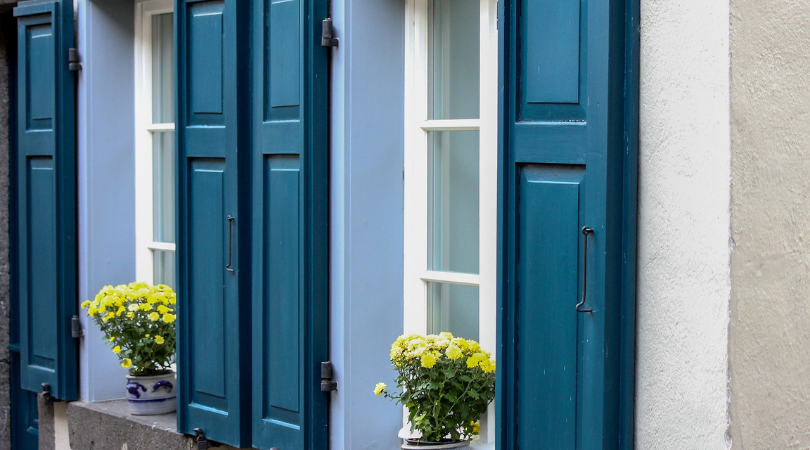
[
  {"x": 446, "y": 383},
  {"x": 138, "y": 321}
]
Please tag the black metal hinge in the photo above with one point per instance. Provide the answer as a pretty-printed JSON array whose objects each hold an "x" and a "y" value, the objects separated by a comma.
[
  {"x": 328, "y": 38},
  {"x": 74, "y": 61},
  {"x": 327, "y": 385},
  {"x": 202, "y": 442},
  {"x": 76, "y": 330},
  {"x": 46, "y": 394}
]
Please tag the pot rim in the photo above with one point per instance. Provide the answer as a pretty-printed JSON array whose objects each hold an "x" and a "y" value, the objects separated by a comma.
[{"x": 168, "y": 373}]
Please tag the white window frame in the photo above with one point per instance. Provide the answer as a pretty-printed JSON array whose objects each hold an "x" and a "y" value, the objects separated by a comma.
[
  {"x": 417, "y": 125},
  {"x": 144, "y": 129}
]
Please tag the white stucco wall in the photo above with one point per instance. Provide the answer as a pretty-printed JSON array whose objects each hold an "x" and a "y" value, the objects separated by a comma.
[{"x": 683, "y": 254}]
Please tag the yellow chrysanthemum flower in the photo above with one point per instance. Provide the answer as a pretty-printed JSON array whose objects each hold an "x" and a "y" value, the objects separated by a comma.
[
  {"x": 133, "y": 307},
  {"x": 476, "y": 427},
  {"x": 85, "y": 304},
  {"x": 475, "y": 360},
  {"x": 109, "y": 316},
  {"x": 145, "y": 307},
  {"x": 127, "y": 363},
  {"x": 454, "y": 352},
  {"x": 428, "y": 360},
  {"x": 379, "y": 388},
  {"x": 146, "y": 335},
  {"x": 163, "y": 309},
  {"x": 153, "y": 316},
  {"x": 130, "y": 315},
  {"x": 159, "y": 339},
  {"x": 117, "y": 349},
  {"x": 112, "y": 338},
  {"x": 169, "y": 318}
]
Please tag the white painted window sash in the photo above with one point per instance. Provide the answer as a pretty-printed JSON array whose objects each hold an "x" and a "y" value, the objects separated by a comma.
[
  {"x": 417, "y": 125},
  {"x": 144, "y": 130}
]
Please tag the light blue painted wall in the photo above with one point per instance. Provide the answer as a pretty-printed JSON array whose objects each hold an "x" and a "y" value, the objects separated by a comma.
[
  {"x": 366, "y": 311},
  {"x": 106, "y": 176}
]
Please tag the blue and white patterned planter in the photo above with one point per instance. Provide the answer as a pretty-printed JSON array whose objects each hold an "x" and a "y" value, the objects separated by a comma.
[{"x": 152, "y": 395}]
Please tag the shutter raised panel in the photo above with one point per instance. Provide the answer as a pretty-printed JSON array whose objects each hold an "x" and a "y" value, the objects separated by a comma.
[
  {"x": 45, "y": 205},
  {"x": 290, "y": 241}
]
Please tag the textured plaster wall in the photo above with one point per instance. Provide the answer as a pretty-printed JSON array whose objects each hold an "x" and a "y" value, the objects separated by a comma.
[
  {"x": 770, "y": 321},
  {"x": 683, "y": 238},
  {"x": 6, "y": 27}
]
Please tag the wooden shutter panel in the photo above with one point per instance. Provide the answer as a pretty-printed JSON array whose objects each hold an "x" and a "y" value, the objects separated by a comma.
[
  {"x": 290, "y": 240},
  {"x": 213, "y": 321},
  {"x": 44, "y": 271},
  {"x": 563, "y": 167}
]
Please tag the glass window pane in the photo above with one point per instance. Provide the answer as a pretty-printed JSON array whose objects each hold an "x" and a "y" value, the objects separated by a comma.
[
  {"x": 163, "y": 199},
  {"x": 453, "y": 201},
  {"x": 454, "y": 59},
  {"x": 162, "y": 68},
  {"x": 164, "y": 268},
  {"x": 453, "y": 308}
]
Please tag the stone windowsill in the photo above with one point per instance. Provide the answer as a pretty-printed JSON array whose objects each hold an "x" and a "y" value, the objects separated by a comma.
[{"x": 108, "y": 425}]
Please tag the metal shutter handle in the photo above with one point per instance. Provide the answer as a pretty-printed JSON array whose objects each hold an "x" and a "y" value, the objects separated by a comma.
[
  {"x": 230, "y": 242},
  {"x": 585, "y": 232}
]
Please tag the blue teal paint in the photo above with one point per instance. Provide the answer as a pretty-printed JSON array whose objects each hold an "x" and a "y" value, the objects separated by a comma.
[
  {"x": 25, "y": 414},
  {"x": 251, "y": 340},
  {"x": 549, "y": 219},
  {"x": 45, "y": 204},
  {"x": 540, "y": 143},
  {"x": 285, "y": 53},
  {"x": 630, "y": 219},
  {"x": 552, "y": 69},
  {"x": 290, "y": 195},
  {"x": 213, "y": 320},
  {"x": 553, "y": 85},
  {"x": 24, "y": 419}
]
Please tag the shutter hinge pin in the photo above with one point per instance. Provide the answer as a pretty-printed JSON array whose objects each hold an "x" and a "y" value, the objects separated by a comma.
[
  {"x": 202, "y": 442},
  {"x": 327, "y": 385},
  {"x": 76, "y": 330},
  {"x": 74, "y": 61},
  {"x": 46, "y": 394},
  {"x": 328, "y": 38}
]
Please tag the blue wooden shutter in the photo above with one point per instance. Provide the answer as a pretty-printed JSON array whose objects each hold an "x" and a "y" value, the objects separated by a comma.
[
  {"x": 564, "y": 166},
  {"x": 44, "y": 270},
  {"x": 290, "y": 217},
  {"x": 213, "y": 321}
]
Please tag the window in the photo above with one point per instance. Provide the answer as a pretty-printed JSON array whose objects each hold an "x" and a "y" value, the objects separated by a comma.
[
  {"x": 154, "y": 144},
  {"x": 451, "y": 172}
]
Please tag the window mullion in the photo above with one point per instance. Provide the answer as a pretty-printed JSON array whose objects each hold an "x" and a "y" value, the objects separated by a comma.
[
  {"x": 451, "y": 277},
  {"x": 160, "y": 127},
  {"x": 451, "y": 125}
]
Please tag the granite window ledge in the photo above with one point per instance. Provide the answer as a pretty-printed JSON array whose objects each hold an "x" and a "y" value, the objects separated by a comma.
[{"x": 109, "y": 425}]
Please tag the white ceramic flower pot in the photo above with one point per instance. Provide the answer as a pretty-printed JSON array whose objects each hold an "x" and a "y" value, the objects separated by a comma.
[
  {"x": 152, "y": 395},
  {"x": 422, "y": 445}
]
